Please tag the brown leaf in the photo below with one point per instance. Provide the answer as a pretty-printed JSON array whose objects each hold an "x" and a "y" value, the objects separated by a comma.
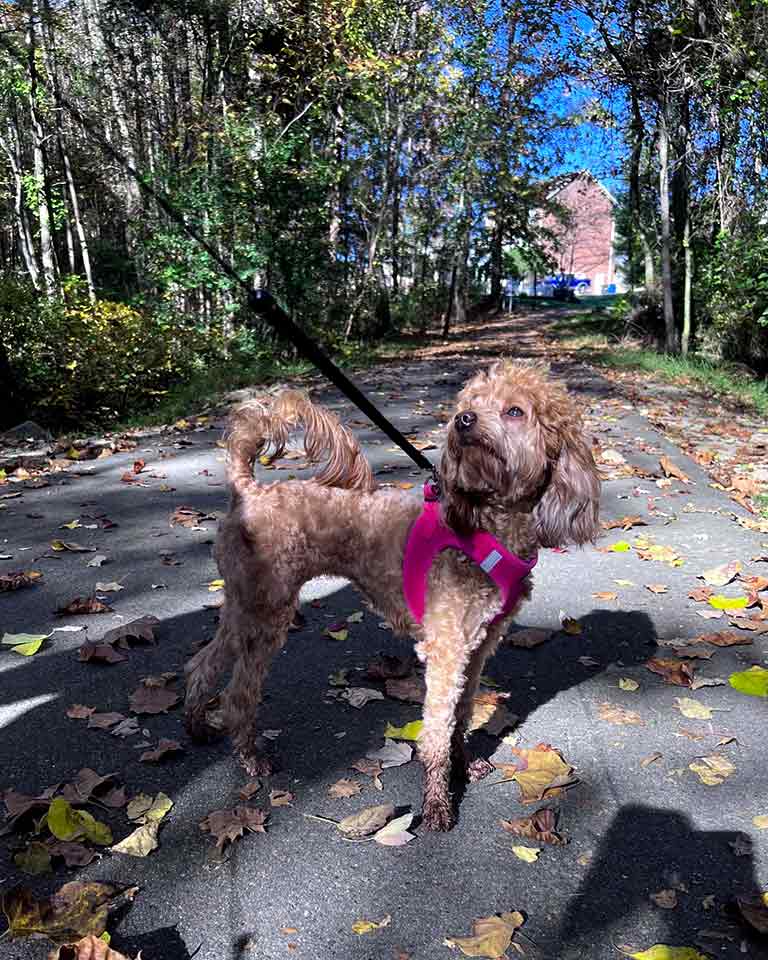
[
  {"x": 411, "y": 689},
  {"x": 700, "y": 594},
  {"x": 344, "y": 788},
  {"x": 755, "y": 912},
  {"x": 89, "y": 948},
  {"x": 673, "y": 671},
  {"x": 97, "y": 652},
  {"x": 492, "y": 936},
  {"x": 85, "y": 784},
  {"x": 725, "y": 638},
  {"x": 624, "y": 523},
  {"x": 17, "y": 579},
  {"x": 366, "y": 821},
  {"x": 79, "y": 712},
  {"x": 163, "y": 748},
  {"x": 142, "y": 628},
  {"x": 540, "y": 773},
  {"x": 189, "y": 517},
  {"x": 103, "y": 721},
  {"x": 281, "y": 798},
  {"x": 249, "y": 789},
  {"x": 151, "y": 698},
  {"x": 672, "y": 470},
  {"x": 618, "y": 715},
  {"x": 754, "y": 624},
  {"x": 539, "y": 827},
  {"x": 722, "y": 575},
  {"x": 82, "y": 606},
  {"x": 605, "y": 595},
  {"x": 651, "y": 758},
  {"x": 528, "y": 637},
  {"x": 369, "y": 768},
  {"x": 74, "y": 854},
  {"x": 656, "y": 587},
  {"x": 386, "y": 667},
  {"x": 228, "y": 825}
]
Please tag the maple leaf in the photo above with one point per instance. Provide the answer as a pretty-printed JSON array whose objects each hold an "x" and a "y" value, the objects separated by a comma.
[
  {"x": 142, "y": 628},
  {"x": 491, "y": 935},
  {"x": 540, "y": 827},
  {"x": 85, "y": 784},
  {"x": 228, "y": 825},
  {"x": 152, "y": 698},
  {"x": 344, "y": 788},
  {"x": 369, "y": 768}
]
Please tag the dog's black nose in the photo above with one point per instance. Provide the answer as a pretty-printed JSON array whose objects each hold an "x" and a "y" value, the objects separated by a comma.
[{"x": 465, "y": 420}]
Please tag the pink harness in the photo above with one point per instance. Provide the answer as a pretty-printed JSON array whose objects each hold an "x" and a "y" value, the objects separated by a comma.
[{"x": 429, "y": 536}]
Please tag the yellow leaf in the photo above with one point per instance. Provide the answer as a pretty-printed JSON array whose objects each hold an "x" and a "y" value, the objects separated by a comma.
[
  {"x": 720, "y": 602},
  {"x": 625, "y": 683},
  {"x": 624, "y": 583},
  {"x": 492, "y": 936},
  {"x": 661, "y": 951},
  {"x": 539, "y": 773},
  {"x": 366, "y": 926},
  {"x": 410, "y": 731},
  {"x": 215, "y": 585},
  {"x": 761, "y": 823},
  {"x": 528, "y": 854},
  {"x": 141, "y": 842},
  {"x": 337, "y": 634},
  {"x": 621, "y": 546},
  {"x": 571, "y": 626}
]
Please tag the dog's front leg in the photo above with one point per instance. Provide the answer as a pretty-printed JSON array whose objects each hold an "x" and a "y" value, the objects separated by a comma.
[{"x": 446, "y": 660}]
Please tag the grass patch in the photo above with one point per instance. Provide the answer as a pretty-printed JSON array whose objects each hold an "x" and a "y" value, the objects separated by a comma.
[
  {"x": 760, "y": 501},
  {"x": 717, "y": 378}
]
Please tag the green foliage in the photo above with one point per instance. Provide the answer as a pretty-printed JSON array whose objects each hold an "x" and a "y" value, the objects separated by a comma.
[{"x": 85, "y": 362}]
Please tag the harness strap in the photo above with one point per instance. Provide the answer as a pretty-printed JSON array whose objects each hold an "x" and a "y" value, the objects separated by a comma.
[{"x": 429, "y": 536}]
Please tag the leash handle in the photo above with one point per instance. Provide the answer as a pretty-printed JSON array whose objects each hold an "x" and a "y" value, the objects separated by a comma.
[{"x": 265, "y": 306}]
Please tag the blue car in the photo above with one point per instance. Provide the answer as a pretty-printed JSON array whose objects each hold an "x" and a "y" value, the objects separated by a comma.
[{"x": 568, "y": 286}]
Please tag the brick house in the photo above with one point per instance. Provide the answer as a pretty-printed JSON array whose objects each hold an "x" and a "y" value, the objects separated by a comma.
[{"x": 583, "y": 239}]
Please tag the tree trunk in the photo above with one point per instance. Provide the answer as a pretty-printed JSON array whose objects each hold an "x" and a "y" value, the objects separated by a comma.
[
  {"x": 23, "y": 232},
  {"x": 687, "y": 316},
  {"x": 666, "y": 245},
  {"x": 47, "y": 256}
]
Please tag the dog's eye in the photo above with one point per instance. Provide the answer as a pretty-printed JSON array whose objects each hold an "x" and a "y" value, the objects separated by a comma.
[{"x": 515, "y": 412}]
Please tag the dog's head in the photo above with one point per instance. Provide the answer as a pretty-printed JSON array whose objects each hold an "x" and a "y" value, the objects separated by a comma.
[{"x": 516, "y": 440}]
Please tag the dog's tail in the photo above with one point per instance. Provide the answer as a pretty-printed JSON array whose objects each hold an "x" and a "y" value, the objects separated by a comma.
[{"x": 255, "y": 427}]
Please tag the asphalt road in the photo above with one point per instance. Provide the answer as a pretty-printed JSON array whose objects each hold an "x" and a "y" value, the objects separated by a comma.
[{"x": 296, "y": 890}]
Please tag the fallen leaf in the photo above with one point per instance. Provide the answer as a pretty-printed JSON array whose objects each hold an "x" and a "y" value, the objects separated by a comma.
[
  {"x": 660, "y": 951},
  {"x": 151, "y": 699},
  {"x": 677, "y": 672},
  {"x": 75, "y": 910},
  {"x": 112, "y": 587},
  {"x": 761, "y": 822},
  {"x": 651, "y": 758},
  {"x": 527, "y": 854},
  {"x": 344, "y": 788},
  {"x": 215, "y": 585},
  {"x": 624, "y": 523},
  {"x": 656, "y": 587},
  {"x": 411, "y": 689},
  {"x": 627, "y": 683},
  {"x": 81, "y": 606},
  {"x": 97, "y": 652},
  {"x": 666, "y": 899},
  {"x": 367, "y": 821},
  {"x": 618, "y": 715},
  {"x": 713, "y": 769},
  {"x": 722, "y": 575},
  {"x": 726, "y": 638},
  {"x": 144, "y": 808},
  {"x": 540, "y": 773},
  {"x": 97, "y": 561},
  {"x": 540, "y": 827},
  {"x": 700, "y": 594},
  {"x": 672, "y": 470},
  {"x": 189, "y": 517},
  {"x": 228, "y": 825},
  {"x": 692, "y": 709},
  {"x": 395, "y": 833},
  {"x": 34, "y": 859},
  {"x": 281, "y": 798},
  {"x": 61, "y": 545},
  {"x": 66, "y": 823},
  {"x": 662, "y": 554},
  {"x": 392, "y": 754},
  {"x": 27, "y": 644},
  {"x": 18, "y": 579},
  {"x": 142, "y": 628},
  {"x": 570, "y": 626},
  {"x": 719, "y": 602},
  {"x": 369, "y": 768},
  {"x": 753, "y": 682},
  {"x": 163, "y": 748},
  {"x": 491, "y": 935},
  {"x": 386, "y": 667},
  {"x": 755, "y": 912},
  {"x": 605, "y": 595},
  {"x": 368, "y": 926},
  {"x": 141, "y": 842},
  {"x": 621, "y": 546},
  {"x": 410, "y": 731},
  {"x": 529, "y": 637},
  {"x": 340, "y": 635},
  {"x": 359, "y": 696},
  {"x": 89, "y": 948}
]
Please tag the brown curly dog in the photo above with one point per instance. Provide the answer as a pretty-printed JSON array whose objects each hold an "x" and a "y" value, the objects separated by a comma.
[{"x": 514, "y": 464}]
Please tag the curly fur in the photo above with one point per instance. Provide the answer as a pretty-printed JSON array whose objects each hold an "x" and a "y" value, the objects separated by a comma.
[{"x": 530, "y": 480}]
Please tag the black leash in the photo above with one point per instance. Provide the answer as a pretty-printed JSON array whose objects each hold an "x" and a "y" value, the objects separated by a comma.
[{"x": 260, "y": 302}]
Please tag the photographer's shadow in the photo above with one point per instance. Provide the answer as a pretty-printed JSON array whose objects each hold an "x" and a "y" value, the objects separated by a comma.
[{"x": 695, "y": 876}]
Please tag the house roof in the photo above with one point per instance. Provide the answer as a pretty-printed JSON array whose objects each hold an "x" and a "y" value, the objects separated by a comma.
[{"x": 559, "y": 183}]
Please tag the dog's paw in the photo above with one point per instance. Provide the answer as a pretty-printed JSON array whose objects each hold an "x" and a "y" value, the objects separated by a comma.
[
  {"x": 200, "y": 731},
  {"x": 438, "y": 816},
  {"x": 257, "y": 764},
  {"x": 479, "y": 769}
]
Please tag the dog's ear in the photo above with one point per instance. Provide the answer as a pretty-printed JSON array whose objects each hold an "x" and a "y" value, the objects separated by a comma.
[{"x": 568, "y": 509}]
